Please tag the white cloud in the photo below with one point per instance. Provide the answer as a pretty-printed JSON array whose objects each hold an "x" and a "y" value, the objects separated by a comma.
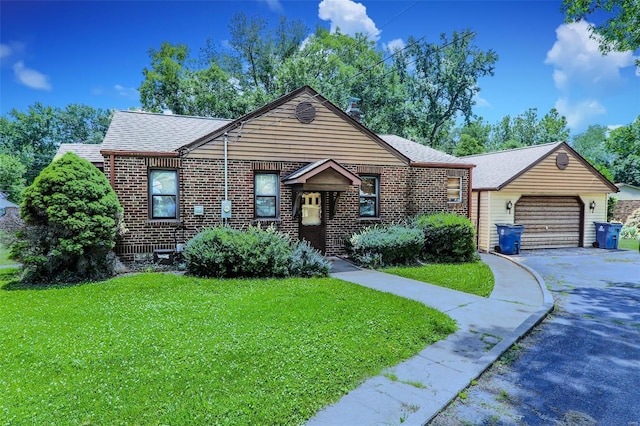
[
  {"x": 579, "y": 114},
  {"x": 31, "y": 78},
  {"x": 5, "y": 50},
  {"x": 578, "y": 62},
  {"x": 395, "y": 45},
  {"x": 274, "y": 5},
  {"x": 350, "y": 17},
  {"x": 126, "y": 92},
  {"x": 480, "y": 101}
]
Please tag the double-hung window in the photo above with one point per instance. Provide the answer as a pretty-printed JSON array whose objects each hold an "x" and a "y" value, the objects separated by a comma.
[
  {"x": 163, "y": 194},
  {"x": 266, "y": 188},
  {"x": 370, "y": 196},
  {"x": 454, "y": 189}
]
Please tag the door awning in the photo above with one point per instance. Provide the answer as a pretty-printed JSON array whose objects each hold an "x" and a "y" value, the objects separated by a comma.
[{"x": 323, "y": 175}]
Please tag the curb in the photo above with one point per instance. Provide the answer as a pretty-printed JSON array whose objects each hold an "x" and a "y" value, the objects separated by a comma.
[{"x": 486, "y": 361}]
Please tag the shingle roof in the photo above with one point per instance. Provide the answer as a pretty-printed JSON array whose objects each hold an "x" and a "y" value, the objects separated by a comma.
[
  {"x": 88, "y": 151},
  {"x": 419, "y": 153},
  {"x": 148, "y": 132},
  {"x": 495, "y": 169}
]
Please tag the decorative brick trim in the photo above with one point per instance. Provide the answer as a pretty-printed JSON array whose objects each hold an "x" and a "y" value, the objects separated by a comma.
[
  {"x": 372, "y": 170},
  {"x": 171, "y": 163},
  {"x": 456, "y": 172},
  {"x": 266, "y": 166}
]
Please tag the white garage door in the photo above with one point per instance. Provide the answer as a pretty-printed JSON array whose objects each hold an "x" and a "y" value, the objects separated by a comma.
[{"x": 549, "y": 222}]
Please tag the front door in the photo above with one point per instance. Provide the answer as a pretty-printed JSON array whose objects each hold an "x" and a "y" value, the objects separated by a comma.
[{"x": 312, "y": 226}]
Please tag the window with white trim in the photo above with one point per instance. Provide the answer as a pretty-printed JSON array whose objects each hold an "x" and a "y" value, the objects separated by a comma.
[
  {"x": 266, "y": 189},
  {"x": 163, "y": 194},
  {"x": 454, "y": 189},
  {"x": 370, "y": 196}
]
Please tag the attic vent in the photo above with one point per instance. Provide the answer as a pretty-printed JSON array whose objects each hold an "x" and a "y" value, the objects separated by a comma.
[{"x": 305, "y": 112}]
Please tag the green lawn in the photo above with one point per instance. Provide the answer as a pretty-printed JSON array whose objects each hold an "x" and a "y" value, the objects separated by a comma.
[
  {"x": 475, "y": 277},
  {"x": 628, "y": 244},
  {"x": 167, "y": 349}
]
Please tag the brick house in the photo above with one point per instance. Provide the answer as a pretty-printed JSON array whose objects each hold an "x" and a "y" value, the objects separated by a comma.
[{"x": 300, "y": 163}]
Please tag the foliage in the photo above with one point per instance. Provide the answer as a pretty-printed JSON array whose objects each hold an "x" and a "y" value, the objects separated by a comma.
[
  {"x": 34, "y": 136},
  {"x": 629, "y": 233},
  {"x": 224, "y": 252},
  {"x": 526, "y": 129},
  {"x": 72, "y": 216},
  {"x": 378, "y": 245},
  {"x": 474, "y": 277},
  {"x": 611, "y": 206},
  {"x": 591, "y": 144},
  {"x": 12, "y": 177},
  {"x": 633, "y": 221},
  {"x": 448, "y": 238},
  {"x": 307, "y": 261},
  {"x": 620, "y": 31},
  {"x": 468, "y": 146},
  {"x": 624, "y": 143},
  {"x": 442, "y": 82},
  {"x": 183, "y": 350}
]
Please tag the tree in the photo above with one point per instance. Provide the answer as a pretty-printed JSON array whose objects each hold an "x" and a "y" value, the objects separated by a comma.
[
  {"x": 72, "y": 217},
  {"x": 591, "y": 144},
  {"x": 12, "y": 177},
  {"x": 553, "y": 128},
  {"x": 624, "y": 143},
  {"x": 620, "y": 30},
  {"x": 35, "y": 135},
  {"x": 468, "y": 145},
  {"x": 442, "y": 81}
]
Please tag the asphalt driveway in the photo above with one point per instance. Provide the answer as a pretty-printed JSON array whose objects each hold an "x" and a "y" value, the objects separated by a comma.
[{"x": 581, "y": 366}]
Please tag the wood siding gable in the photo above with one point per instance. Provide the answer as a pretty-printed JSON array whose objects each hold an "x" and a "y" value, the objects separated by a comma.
[
  {"x": 545, "y": 178},
  {"x": 274, "y": 133}
]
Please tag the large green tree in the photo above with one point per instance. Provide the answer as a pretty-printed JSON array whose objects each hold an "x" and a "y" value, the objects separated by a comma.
[
  {"x": 72, "y": 217},
  {"x": 620, "y": 28},
  {"x": 442, "y": 82},
  {"x": 12, "y": 177},
  {"x": 624, "y": 143}
]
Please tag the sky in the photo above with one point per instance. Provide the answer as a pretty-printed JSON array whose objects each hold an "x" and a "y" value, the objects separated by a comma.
[{"x": 93, "y": 52}]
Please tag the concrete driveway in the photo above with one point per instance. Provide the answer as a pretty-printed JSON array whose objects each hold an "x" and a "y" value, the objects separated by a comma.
[{"x": 581, "y": 366}]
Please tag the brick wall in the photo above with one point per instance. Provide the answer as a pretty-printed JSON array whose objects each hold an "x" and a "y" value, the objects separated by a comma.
[
  {"x": 404, "y": 191},
  {"x": 624, "y": 208}
]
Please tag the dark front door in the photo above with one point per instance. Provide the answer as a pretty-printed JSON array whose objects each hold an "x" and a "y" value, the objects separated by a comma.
[{"x": 312, "y": 226}]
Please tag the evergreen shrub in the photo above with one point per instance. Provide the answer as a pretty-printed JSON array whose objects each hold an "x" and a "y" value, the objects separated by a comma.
[
  {"x": 448, "y": 238},
  {"x": 307, "y": 261},
  {"x": 385, "y": 245}
]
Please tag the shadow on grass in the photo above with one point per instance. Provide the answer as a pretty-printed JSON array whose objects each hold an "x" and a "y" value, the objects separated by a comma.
[{"x": 10, "y": 281}]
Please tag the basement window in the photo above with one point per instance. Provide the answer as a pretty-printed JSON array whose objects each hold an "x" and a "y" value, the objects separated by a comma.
[
  {"x": 163, "y": 194},
  {"x": 454, "y": 189}
]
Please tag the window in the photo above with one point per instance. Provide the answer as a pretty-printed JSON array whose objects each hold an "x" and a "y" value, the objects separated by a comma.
[
  {"x": 266, "y": 195},
  {"x": 163, "y": 188},
  {"x": 454, "y": 189},
  {"x": 370, "y": 196}
]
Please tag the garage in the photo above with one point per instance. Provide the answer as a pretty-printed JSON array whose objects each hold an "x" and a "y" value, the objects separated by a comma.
[
  {"x": 550, "y": 189},
  {"x": 550, "y": 222}
]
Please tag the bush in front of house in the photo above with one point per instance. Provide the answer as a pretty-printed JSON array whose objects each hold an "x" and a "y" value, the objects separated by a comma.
[
  {"x": 385, "y": 245},
  {"x": 448, "y": 238},
  {"x": 224, "y": 252},
  {"x": 72, "y": 217},
  {"x": 307, "y": 261}
]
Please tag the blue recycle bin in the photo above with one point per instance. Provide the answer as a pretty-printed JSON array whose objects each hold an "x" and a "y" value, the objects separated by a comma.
[
  {"x": 607, "y": 234},
  {"x": 509, "y": 238}
]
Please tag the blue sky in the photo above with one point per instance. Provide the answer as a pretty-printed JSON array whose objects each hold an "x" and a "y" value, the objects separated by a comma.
[{"x": 93, "y": 52}]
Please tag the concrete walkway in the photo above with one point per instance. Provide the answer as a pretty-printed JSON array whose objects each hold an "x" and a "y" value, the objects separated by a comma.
[{"x": 428, "y": 382}]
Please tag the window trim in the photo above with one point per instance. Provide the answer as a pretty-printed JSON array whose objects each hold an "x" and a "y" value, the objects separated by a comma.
[
  {"x": 175, "y": 194},
  {"x": 375, "y": 197},
  {"x": 276, "y": 196},
  {"x": 457, "y": 200}
]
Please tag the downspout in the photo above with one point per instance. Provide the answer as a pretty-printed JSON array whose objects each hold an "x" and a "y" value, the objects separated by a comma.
[
  {"x": 226, "y": 174},
  {"x": 112, "y": 173},
  {"x": 478, "y": 221},
  {"x": 469, "y": 193}
]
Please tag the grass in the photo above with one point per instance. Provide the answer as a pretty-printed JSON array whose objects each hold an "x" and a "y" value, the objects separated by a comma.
[
  {"x": 474, "y": 277},
  {"x": 4, "y": 256},
  {"x": 628, "y": 244},
  {"x": 167, "y": 349}
]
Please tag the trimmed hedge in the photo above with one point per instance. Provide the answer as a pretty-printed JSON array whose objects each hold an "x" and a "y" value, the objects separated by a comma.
[
  {"x": 448, "y": 238},
  {"x": 224, "y": 252},
  {"x": 377, "y": 246}
]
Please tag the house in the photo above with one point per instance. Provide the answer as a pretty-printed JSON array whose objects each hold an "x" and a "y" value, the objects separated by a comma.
[
  {"x": 550, "y": 189},
  {"x": 90, "y": 152},
  {"x": 9, "y": 214},
  {"x": 300, "y": 163},
  {"x": 628, "y": 201}
]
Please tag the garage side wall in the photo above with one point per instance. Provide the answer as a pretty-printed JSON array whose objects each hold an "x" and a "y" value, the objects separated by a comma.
[{"x": 598, "y": 215}]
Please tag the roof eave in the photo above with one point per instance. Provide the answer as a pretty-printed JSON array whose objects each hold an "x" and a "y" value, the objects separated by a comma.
[{"x": 441, "y": 165}]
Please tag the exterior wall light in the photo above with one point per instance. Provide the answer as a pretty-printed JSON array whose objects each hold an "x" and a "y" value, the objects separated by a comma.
[
  {"x": 509, "y": 206},
  {"x": 592, "y": 206}
]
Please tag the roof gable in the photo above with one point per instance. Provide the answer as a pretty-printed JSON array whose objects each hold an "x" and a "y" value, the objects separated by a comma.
[
  {"x": 510, "y": 169},
  {"x": 311, "y": 172}
]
